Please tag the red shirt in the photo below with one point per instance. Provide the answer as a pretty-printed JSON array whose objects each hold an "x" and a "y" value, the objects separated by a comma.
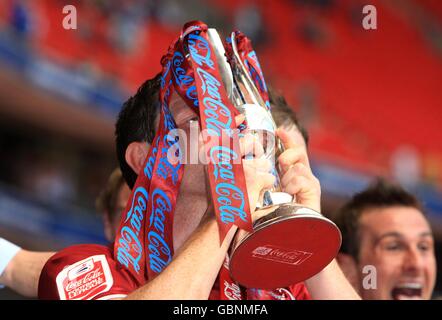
[{"x": 84, "y": 272}]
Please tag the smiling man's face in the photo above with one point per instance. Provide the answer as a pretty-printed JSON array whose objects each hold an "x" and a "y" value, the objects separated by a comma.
[{"x": 398, "y": 242}]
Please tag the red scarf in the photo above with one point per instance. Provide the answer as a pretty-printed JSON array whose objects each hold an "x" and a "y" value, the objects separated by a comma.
[{"x": 144, "y": 242}]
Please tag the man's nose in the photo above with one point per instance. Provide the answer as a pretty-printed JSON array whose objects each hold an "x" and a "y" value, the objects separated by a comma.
[{"x": 413, "y": 260}]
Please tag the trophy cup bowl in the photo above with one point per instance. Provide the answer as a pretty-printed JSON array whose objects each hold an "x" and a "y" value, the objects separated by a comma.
[{"x": 289, "y": 243}]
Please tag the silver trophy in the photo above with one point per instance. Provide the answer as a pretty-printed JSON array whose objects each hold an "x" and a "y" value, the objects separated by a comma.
[{"x": 289, "y": 243}]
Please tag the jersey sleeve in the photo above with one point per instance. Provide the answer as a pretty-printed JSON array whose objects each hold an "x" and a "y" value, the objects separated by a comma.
[{"x": 84, "y": 272}]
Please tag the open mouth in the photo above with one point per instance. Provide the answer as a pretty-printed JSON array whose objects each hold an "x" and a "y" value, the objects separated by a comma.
[{"x": 407, "y": 291}]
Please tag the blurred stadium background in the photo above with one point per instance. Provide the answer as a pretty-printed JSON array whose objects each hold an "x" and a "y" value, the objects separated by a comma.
[{"x": 371, "y": 100}]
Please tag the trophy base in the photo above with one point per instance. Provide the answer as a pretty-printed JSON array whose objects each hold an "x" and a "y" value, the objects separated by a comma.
[{"x": 289, "y": 244}]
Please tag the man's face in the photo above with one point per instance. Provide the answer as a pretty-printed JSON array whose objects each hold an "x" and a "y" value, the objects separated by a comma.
[
  {"x": 193, "y": 182},
  {"x": 398, "y": 242}
]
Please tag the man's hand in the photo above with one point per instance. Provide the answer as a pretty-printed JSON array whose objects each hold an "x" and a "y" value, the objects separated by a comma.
[{"x": 296, "y": 175}]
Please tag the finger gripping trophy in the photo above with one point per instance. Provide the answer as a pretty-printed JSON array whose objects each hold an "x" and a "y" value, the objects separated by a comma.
[{"x": 289, "y": 243}]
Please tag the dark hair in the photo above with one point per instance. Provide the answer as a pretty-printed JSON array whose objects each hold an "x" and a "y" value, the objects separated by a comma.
[
  {"x": 283, "y": 114},
  {"x": 106, "y": 202},
  {"x": 136, "y": 122},
  {"x": 380, "y": 194}
]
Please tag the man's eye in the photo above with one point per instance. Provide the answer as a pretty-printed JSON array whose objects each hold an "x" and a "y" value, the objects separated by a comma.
[
  {"x": 424, "y": 246},
  {"x": 393, "y": 246}
]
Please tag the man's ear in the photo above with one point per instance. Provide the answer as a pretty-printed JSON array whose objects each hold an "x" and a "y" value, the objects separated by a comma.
[
  {"x": 350, "y": 269},
  {"x": 136, "y": 153}
]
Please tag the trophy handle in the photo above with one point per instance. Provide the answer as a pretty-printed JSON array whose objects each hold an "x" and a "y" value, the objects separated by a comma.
[
  {"x": 233, "y": 76},
  {"x": 223, "y": 65},
  {"x": 245, "y": 77}
]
